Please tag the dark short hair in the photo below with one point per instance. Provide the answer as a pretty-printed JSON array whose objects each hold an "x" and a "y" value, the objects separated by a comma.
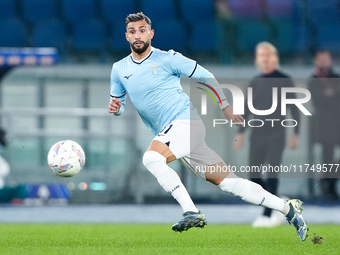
[{"x": 134, "y": 17}]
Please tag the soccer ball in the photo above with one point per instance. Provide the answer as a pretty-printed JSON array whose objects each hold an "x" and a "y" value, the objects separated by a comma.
[{"x": 66, "y": 158}]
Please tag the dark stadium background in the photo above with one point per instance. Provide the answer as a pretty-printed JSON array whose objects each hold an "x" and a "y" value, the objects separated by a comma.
[{"x": 41, "y": 105}]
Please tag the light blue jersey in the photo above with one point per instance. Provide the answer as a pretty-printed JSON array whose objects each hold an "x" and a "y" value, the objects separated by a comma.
[{"x": 153, "y": 85}]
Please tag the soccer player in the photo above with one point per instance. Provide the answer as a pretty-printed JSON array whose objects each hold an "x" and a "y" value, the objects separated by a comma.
[
  {"x": 325, "y": 90},
  {"x": 151, "y": 78}
]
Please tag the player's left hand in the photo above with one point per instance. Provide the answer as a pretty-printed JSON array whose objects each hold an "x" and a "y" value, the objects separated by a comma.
[
  {"x": 236, "y": 119},
  {"x": 293, "y": 141}
]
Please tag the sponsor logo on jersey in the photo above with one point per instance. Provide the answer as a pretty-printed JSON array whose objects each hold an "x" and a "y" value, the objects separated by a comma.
[{"x": 127, "y": 76}]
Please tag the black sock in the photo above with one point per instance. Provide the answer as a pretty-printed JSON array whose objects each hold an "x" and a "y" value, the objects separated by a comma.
[
  {"x": 291, "y": 213},
  {"x": 267, "y": 212}
]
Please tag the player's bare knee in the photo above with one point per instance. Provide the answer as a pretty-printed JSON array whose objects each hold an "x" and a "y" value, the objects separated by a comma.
[{"x": 162, "y": 149}]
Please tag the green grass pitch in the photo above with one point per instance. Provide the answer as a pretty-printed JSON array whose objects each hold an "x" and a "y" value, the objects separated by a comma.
[{"x": 151, "y": 239}]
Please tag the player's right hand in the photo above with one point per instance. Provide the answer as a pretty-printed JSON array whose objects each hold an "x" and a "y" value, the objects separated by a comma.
[{"x": 114, "y": 105}]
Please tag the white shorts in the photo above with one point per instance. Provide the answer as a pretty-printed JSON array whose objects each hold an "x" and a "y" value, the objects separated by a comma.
[{"x": 186, "y": 140}]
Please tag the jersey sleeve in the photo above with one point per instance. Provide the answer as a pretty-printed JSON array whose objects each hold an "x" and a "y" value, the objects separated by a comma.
[
  {"x": 181, "y": 65},
  {"x": 117, "y": 90}
]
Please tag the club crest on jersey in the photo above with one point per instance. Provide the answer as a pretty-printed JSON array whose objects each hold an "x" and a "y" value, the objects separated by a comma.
[{"x": 154, "y": 69}]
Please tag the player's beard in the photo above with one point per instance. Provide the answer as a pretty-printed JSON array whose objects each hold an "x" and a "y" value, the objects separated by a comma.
[{"x": 141, "y": 49}]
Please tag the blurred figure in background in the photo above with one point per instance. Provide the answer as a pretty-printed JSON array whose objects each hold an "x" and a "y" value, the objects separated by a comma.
[
  {"x": 325, "y": 91},
  {"x": 222, "y": 9},
  {"x": 267, "y": 142},
  {"x": 9, "y": 194},
  {"x": 4, "y": 166}
]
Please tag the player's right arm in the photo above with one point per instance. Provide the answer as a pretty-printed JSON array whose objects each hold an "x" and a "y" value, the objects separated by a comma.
[{"x": 117, "y": 93}]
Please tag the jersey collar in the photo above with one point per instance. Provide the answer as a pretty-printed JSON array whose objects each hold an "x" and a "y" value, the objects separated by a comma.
[{"x": 138, "y": 62}]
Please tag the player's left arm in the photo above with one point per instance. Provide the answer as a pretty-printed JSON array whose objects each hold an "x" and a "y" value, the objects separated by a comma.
[
  {"x": 190, "y": 68},
  {"x": 204, "y": 76}
]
